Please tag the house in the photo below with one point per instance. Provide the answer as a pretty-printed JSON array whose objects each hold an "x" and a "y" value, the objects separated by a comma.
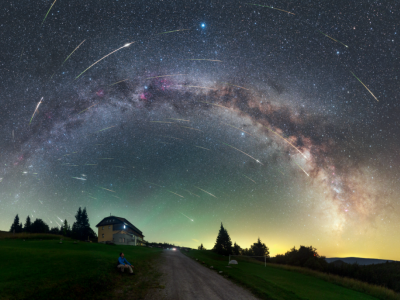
[{"x": 119, "y": 231}]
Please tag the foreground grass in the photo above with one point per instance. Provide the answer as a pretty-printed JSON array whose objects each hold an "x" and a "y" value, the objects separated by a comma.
[
  {"x": 276, "y": 282},
  {"x": 46, "y": 269}
]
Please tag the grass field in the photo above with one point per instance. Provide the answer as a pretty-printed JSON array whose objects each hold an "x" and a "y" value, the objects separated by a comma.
[
  {"x": 46, "y": 269},
  {"x": 275, "y": 282}
]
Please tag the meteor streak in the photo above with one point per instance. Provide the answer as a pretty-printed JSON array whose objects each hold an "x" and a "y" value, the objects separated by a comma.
[
  {"x": 73, "y": 52},
  {"x": 205, "y": 191},
  {"x": 87, "y": 109},
  {"x": 106, "y": 189},
  {"x": 272, "y": 8},
  {"x": 203, "y": 148},
  {"x": 79, "y": 178},
  {"x": 365, "y": 86},
  {"x": 187, "y": 217},
  {"x": 206, "y": 59},
  {"x": 243, "y": 153},
  {"x": 37, "y": 107},
  {"x": 92, "y": 197},
  {"x": 166, "y": 76},
  {"x": 161, "y": 122},
  {"x": 105, "y": 129},
  {"x": 333, "y": 39},
  {"x": 179, "y": 120},
  {"x": 286, "y": 141},
  {"x": 118, "y": 82},
  {"x": 175, "y": 194},
  {"x": 172, "y": 31},
  {"x": 48, "y": 12},
  {"x": 124, "y": 46},
  {"x": 248, "y": 178},
  {"x": 302, "y": 169}
]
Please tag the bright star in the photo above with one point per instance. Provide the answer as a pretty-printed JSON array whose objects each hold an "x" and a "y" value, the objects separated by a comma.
[{"x": 203, "y": 25}]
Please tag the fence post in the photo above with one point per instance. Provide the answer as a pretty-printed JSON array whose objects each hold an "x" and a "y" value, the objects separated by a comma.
[{"x": 229, "y": 259}]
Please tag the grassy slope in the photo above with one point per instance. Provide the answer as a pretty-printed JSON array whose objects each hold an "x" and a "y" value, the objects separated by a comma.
[
  {"x": 277, "y": 283},
  {"x": 48, "y": 270}
]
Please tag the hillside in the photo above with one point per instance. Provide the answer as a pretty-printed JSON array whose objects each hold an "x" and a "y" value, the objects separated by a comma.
[{"x": 358, "y": 260}]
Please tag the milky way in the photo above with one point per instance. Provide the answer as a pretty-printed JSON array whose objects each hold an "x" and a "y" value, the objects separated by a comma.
[{"x": 212, "y": 112}]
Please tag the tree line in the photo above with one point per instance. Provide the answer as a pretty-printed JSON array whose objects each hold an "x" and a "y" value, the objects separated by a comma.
[
  {"x": 387, "y": 275},
  {"x": 223, "y": 246},
  {"x": 80, "y": 228}
]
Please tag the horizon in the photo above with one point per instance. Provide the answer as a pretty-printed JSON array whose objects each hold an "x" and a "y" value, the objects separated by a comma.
[{"x": 282, "y": 126}]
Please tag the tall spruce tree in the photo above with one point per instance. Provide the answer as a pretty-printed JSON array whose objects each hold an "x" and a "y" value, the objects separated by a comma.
[
  {"x": 81, "y": 227},
  {"x": 223, "y": 244},
  {"x": 65, "y": 229},
  {"x": 260, "y": 249},
  {"x": 16, "y": 226},
  {"x": 28, "y": 225}
]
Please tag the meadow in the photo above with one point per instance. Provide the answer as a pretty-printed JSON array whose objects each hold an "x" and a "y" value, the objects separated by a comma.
[
  {"x": 282, "y": 282},
  {"x": 39, "y": 267}
]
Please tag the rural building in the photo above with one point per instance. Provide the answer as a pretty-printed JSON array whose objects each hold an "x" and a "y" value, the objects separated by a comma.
[{"x": 119, "y": 231}]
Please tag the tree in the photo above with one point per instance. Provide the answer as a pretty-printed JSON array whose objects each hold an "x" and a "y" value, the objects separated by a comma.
[
  {"x": 65, "y": 229},
  {"x": 28, "y": 224},
  {"x": 16, "y": 226},
  {"x": 223, "y": 244},
  {"x": 38, "y": 226},
  {"x": 81, "y": 228},
  {"x": 260, "y": 249},
  {"x": 236, "y": 250},
  {"x": 201, "y": 247},
  {"x": 55, "y": 230}
]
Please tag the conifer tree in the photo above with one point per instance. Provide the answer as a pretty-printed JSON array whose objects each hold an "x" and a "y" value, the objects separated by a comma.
[
  {"x": 223, "y": 244},
  {"x": 16, "y": 226},
  {"x": 28, "y": 224}
]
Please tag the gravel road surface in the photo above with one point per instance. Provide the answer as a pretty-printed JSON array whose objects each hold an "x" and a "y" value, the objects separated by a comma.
[{"x": 186, "y": 279}]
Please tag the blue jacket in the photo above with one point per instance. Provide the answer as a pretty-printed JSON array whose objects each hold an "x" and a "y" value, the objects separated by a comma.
[{"x": 123, "y": 261}]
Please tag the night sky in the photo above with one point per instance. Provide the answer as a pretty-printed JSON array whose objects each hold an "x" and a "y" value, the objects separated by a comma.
[{"x": 279, "y": 119}]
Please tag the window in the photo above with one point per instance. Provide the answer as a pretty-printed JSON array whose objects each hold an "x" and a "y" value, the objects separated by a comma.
[
  {"x": 103, "y": 227},
  {"x": 102, "y": 235},
  {"x": 123, "y": 240},
  {"x": 109, "y": 227}
]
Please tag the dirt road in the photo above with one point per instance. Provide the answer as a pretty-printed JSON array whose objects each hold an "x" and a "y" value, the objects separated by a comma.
[{"x": 186, "y": 279}]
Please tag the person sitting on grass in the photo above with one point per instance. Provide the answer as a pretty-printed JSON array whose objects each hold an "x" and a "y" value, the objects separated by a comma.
[{"x": 124, "y": 264}]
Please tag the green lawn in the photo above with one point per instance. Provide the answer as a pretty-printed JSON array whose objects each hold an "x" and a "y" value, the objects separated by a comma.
[
  {"x": 46, "y": 269},
  {"x": 277, "y": 283}
]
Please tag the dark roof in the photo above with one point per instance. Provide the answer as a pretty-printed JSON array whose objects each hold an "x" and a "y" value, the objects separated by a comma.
[{"x": 118, "y": 220}]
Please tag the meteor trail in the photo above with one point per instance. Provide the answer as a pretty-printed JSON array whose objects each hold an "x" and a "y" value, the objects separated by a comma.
[
  {"x": 243, "y": 153},
  {"x": 365, "y": 86},
  {"x": 106, "y": 189},
  {"x": 302, "y": 169},
  {"x": 286, "y": 141},
  {"x": 205, "y": 191},
  {"x": 48, "y": 12},
  {"x": 118, "y": 82},
  {"x": 187, "y": 217},
  {"x": 206, "y": 59},
  {"x": 73, "y": 52},
  {"x": 172, "y": 31},
  {"x": 166, "y": 76},
  {"x": 333, "y": 39},
  {"x": 37, "y": 107},
  {"x": 203, "y": 148},
  {"x": 79, "y": 178},
  {"x": 86, "y": 109},
  {"x": 248, "y": 178},
  {"x": 271, "y": 7},
  {"x": 124, "y": 46},
  {"x": 175, "y": 194},
  {"x": 191, "y": 193},
  {"x": 105, "y": 129}
]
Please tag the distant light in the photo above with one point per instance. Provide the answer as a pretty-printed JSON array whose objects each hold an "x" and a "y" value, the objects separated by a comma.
[
  {"x": 124, "y": 226},
  {"x": 203, "y": 25},
  {"x": 127, "y": 45}
]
